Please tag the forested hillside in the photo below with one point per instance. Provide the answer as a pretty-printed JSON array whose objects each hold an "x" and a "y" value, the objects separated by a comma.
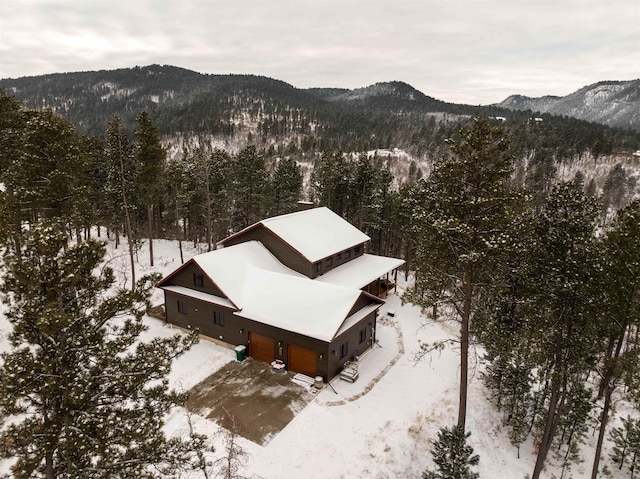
[
  {"x": 542, "y": 272},
  {"x": 238, "y": 110}
]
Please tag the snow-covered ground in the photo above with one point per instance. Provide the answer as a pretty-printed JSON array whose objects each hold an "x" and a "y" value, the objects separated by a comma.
[{"x": 378, "y": 427}]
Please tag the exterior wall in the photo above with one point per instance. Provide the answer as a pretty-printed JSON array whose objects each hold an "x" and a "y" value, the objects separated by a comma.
[
  {"x": 360, "y": 303},
  {"x": 335, "y": 260},
  {"x": 185, "y": 277},
  {"x": 282, "y": 339},
  {"x": 281, "y": 250},
  {"x": 291, "y": 258},
  {"x": 199, "y": 314},
  {"x": 236, "y": 329},
  {"x": 352, "y": 338}
]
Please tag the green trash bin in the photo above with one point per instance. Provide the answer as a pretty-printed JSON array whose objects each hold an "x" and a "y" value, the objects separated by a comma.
[{"x": 241, "y": 353}]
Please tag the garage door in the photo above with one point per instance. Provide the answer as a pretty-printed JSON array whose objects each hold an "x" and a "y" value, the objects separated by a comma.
[
  {"x": 261, "y": 348},
  {"x": 302, "y": 360}
]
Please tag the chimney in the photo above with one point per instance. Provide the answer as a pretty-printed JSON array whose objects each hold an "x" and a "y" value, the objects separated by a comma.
[{"x": 305, "y": 205}]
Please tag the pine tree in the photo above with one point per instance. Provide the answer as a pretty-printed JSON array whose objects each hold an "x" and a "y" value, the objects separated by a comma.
[
  {"x": 462, "y": 218},
  {"x": 285, "y": 187},
  {"x": 619, "y": 304},
  {"x": 626, "y": 440},
  {"x": 212, "y": 175},
  {"x": 560, "y": 278},
  {"x": 150, "y": 158},
  {"x": 12, "y": 127},
  {"x": 369, "y": 198},
  {"x": 249, "y": 180},
  {"x": 363, "y": 190},
  {"x": 44, "y": 172},
  {"x": 80, "y": 394},
  {"x": 121, "y": 185},
  {"x": 331, "y": 181},
  {"x": 453, "y": 456},
  {"x": 178, "y": 196}
]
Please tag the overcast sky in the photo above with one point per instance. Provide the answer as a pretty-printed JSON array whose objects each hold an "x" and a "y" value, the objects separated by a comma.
[{"x": 463, "y": 51}]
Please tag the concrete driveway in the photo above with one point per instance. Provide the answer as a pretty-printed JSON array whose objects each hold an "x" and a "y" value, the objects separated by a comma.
[{"x": 261, "y": 401}]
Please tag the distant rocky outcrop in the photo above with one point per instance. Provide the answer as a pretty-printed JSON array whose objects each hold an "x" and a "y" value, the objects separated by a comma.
[{"x": 612, "y": 103}]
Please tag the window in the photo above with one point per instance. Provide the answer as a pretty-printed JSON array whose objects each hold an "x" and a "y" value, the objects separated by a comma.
[
  {"x": 344, "y": 350},
  {"x": 316, "y": 267},
  {"x": 198, "y": 280},
  {"x": 358, "y": 249},
  {"x": 347, "y": 253},
  {"x": 218, "y": 318},
  {"x": 363, "y": 335},
  {"x": 329, "y": 262},
  {"x": 182, "y": 307},
  {"x": 338, "y": 256}
]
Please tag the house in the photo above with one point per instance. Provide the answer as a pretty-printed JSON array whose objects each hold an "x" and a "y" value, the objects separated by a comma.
[{"x": 298, "y": 287}]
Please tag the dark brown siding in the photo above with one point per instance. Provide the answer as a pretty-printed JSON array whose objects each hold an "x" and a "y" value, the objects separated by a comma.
[
  {"x": 281, "y": 250},
  {"x": 337, "y": 259},
  {"x": 185, "y": 277},
  {"x": 355, "y": 345},
  {"x": 199, "y": 314},
  {"x": 362, "y": 301},
  {"x": 293, "y": 259},
  {"x": 236, "y": 329}
]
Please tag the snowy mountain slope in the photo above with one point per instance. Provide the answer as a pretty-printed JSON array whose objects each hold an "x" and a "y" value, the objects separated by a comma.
[{"x": 613, "y": 103}]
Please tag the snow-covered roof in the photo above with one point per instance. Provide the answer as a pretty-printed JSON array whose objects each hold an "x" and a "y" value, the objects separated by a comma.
[
  {"x": 361, "y": 271},
  {"x": 311, "y": 308},
  {"x": 228, "y": 267},
  {"x": 316, "y": 233},
  {"x": 264, "y": 290},
  {"x": 192, "y": 293}
]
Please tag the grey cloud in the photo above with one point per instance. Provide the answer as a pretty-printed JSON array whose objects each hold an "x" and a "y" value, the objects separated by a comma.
[{"x": 472, "y": 51}]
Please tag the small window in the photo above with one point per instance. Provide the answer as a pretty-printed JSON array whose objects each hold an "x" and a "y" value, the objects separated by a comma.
[
  {"x": 218, "y": 318},
  {"x": 344, "y": 350},
  {"x": 338, "y": 256},
  {"x": 358, "y": 249},
  {"x": 363, "y": 335},
  {"x": 182, "y": 307},
  {"x": 347, "y": 253},
  {"x": 198, "y": 280},
  {"x": 329, "y": 262},
  {"x": 316, "y": 267}
]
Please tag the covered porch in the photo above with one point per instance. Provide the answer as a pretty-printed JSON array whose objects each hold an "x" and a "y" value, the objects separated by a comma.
[
  {"x": 377, "y": 275},
  {"x": 382, "y": 286}
]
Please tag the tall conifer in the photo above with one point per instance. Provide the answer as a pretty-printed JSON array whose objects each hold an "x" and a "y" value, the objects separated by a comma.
[
  {"x": 80, "y": 394},
  {"x": 462, "y": 218},
  {"x": 150, "y": 159}
]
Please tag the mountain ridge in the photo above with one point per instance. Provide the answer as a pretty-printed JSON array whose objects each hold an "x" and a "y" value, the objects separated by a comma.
[
  {"x": 613, "y": 103},
  {"x": 188, "y": 101},
  {"x": 233, "y": 110}
]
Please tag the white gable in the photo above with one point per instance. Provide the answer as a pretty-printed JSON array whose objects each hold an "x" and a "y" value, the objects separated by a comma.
[{"x": 316, "y": 233}]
